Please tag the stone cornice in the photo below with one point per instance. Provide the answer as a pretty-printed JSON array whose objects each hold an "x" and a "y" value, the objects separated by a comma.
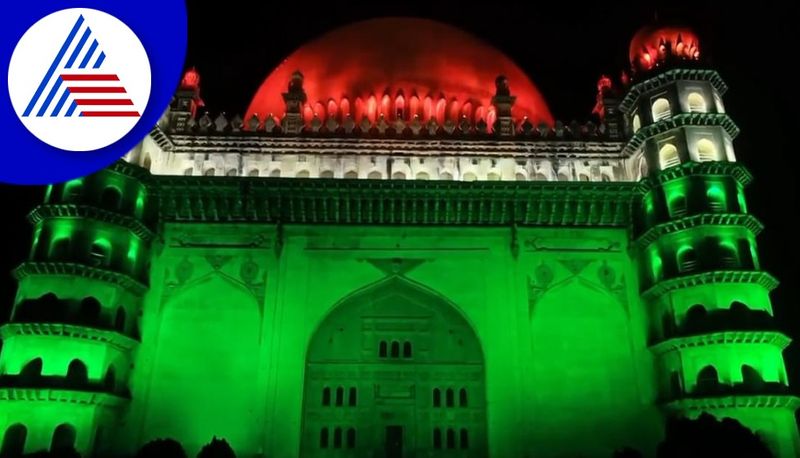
[
  {"x": 84, "y": 211},
  {"x": 669, "y": 76},
  {"x": 775, "y": 401},
  {"x": 705, "y": 219},
  {"x": 251, "y": 144},
  {"x": 27, "y": 269},
  {"x": 721, "y": 276},
  {"x": 74, "y": 397},
  {"x": 680, "y": 120},
  {"x": 775, "y": 338},
  {"x": 418, "y": 202},
  {"x": 714, "y": 168},
  {"x": 112, "y": 338}
]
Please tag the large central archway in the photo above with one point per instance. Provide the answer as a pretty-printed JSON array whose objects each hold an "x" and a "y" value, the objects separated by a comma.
[{"x": 394, "y": 371}]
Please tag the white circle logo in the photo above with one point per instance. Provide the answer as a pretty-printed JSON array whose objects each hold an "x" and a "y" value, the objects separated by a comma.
[{"x": 79, "y": 79}]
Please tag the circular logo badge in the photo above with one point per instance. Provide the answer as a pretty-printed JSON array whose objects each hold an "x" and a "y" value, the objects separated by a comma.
[
  {"x": 79, "y": 79},
  {"x": 87, "y": 81}
]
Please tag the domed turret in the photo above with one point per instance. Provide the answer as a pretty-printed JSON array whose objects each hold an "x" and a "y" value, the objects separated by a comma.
[{"x": 652, "y": 46}]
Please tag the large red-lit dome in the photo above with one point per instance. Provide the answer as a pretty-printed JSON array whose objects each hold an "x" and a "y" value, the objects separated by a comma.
[{"x": 400, "y": 66}]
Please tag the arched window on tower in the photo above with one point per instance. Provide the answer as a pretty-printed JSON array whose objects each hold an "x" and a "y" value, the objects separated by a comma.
[
  {"x": 77, "y": 374},
  {"x": 31, "y": 371},
  {"x": 636, "y": 123},
  {"x": 63, "y": 438},
  {"x": 89, "y": 311},
  {"x": 100, "y": 252},
  {"x": 677, "y": 205},
  {"x": 450, "y": 395},
  {"x": 716, "y": 198},
  {"x": 395, "y": 352},
  {"x": 751, "y": 378},
  {"x": 73, "y": 190},
  {"x": 406, "y": 349},
  {"x": 687, "y": 259},
  {"x": 14, "y": 440},
  {"x": 706, "y": 151},
  {"x": 437, "y": 397},
  {"x": 707, "y": 380},
  {"x": 351, "y": 438},
  {"x": 668, "y": 156},
  {"x": 661, "y": 109},
  {"x": 59, "y": 249},
  {"x": 464, "y": 438},
  {"x": 696, "y": 103},
  {"x": 728, "y": 256},
  {"x": 352, "y": 397},
  {"x": 111, "y": 198}
]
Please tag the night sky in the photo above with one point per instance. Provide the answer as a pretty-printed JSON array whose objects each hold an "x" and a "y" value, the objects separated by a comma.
[{"x": 564, "y": 47}]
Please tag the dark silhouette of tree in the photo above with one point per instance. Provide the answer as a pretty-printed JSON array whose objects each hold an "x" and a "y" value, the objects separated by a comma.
[
  {"x": 217, "y": 448},
  {"x": 166, "y": 448},
  {"x": 708, "y": 437}
]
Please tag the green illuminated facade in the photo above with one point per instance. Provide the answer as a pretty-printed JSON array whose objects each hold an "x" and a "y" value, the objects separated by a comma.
[{"x": 289, "y": 286}]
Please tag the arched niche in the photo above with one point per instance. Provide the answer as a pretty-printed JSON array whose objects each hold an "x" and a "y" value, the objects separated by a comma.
[
  {"x": 583, "y": 370},
  {"x": 394, "y": 394},
  {"x": 205, "y": 371}
]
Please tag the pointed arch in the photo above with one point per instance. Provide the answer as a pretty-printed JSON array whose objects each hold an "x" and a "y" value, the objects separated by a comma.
[
  {"x": 14, "y": 440},
  {"x": 63, "y": 437},
  {"x": 211, "y": 326},
  {"x": 337, "y": 345}
]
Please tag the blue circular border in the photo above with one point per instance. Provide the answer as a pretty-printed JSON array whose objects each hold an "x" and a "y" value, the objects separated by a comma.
[{"x": 160, "y": 25}]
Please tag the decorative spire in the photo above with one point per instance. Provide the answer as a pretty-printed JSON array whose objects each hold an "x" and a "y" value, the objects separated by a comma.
[
  {"x": 294, "y": 98},
  {"x": 503, "y": 101},
  {"x": 186, "y": 101}
]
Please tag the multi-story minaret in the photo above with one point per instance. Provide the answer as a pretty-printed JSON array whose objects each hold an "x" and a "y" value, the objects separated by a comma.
[
  {"x": 715, "y": 344},
  {"x": 68, "y": 349}
]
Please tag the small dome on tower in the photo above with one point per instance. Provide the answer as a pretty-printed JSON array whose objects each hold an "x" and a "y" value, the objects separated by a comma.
[
  {"x": 655, "y": 44},
  {"x": 191, "y": 79}
]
